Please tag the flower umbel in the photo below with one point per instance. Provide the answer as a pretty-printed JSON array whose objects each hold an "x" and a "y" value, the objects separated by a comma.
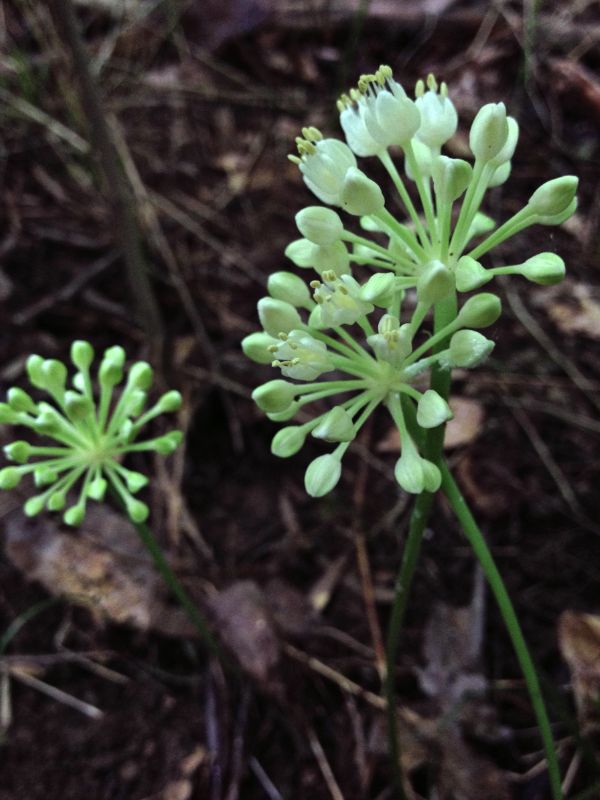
[
  {"x": 373, "y": 330},
  {"x": 91, "y": 434}
]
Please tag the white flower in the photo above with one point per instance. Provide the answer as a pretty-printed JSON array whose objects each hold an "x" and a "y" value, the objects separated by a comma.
[
  {"x": 339, "y": 300},
  {"x": 439, "y": 119},
  {"x": 323, "y": 164},
  {"x": 301, "y": 357}
]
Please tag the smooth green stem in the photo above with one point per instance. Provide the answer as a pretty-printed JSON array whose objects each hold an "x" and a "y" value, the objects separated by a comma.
[
  {"x": 412, "y": 548},
  {"x": 175, "y": 586},
  {"x": 422, "y": 189},
  {"x": 485, "y": 558},
  {"x": 404, "y": 196},
  {"x": 401, "y": 232},
  {"x": 521, "y": 220},
  {"x": 444, "y": 313}
]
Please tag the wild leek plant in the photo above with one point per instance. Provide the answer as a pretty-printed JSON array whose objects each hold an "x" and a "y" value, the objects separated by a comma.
[
  {"x": 91, "y": 431},
  {"x": 364, "y": 321}
]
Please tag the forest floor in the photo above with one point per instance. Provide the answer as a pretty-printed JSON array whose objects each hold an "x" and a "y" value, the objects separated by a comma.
[{"x": 205, "y": 101}]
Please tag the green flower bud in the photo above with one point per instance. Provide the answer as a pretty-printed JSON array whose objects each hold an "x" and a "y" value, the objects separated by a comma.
[
  {"x": 320, "y": 225},
  {"x": 82, "y": 355},
  {"x": 18, "y": 451},
  {"x": 469, "y": 349},
  {"x": 170, "y": 402},
  {"x": 274, "y": 396},
  {"x": 553, "y": 197},
  {"x": 44, "y": 476},
  {"x": 409, "y": 470},
  {"x": 480, "y": 311},
  {"x": 7, "y": 415},
  {"x": 34, "y": 506},
  {"x": 489, "y": 132},
  {"x": 481, "y": 224},
  {"x": 136, "y": 400},
  {"x": 336, "y": 426},
  {"x": 277, "y": 316},
  {"x": 290, "y": 288},
  {"x": 167, "y": 444},
  {"x": 544, "y": 268},
  {"x": 435, "y": 283},
  {"x": 300, "y": 252},
  {"x": 432, "y": 410},
  {"x": 140, "y": 376},
  {"x": 20, "y": 401},
  {"x": 379, "y": 289},
  {"x": 507, "y": 152},
  {"x": 558, "y": 219},
  {"x": 284, "y": 416},
  {"x": 470, "y": 274},
  {"x": 138, "y": 511},
  {"x": 288, "y": 441},
  {"x": 110, "y": 372},
  {"x": 77, "y": 406},
  {"x": 97, "y": 489},
  {"x": 332, "y": 257},
  {"x": 10, "y": 477},
  {"x": 451, "y": 176},
  {"x": 322, "y": 475},
  {"x": 315, "y": 319},
  {"x": 360, "y": 195},
  {"x": 33, "y": 366},
  {"x": 500, "y": 175},
  {"x": 432, "y": 477},
  {"x": 134, "y": 480},
  {"x": 256, "y": 347},
  {"x": 75, "y": 515},
  {"x": 57, "y": 501},
  {"x": 55, "y": 375}
]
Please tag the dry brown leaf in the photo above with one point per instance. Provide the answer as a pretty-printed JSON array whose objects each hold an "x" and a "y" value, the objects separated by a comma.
[
  {"x": 573, "y": 308},
  {"x": 462, "y": 429},
  {"x": 579, "y": 642},
  {"x": 243, "y": 620},
  {"x": 466, "y": 424},
  {"x": 102, "y": 566}
]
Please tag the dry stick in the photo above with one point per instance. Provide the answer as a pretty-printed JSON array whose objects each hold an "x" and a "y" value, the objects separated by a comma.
[{"x": 126, "y": 227}]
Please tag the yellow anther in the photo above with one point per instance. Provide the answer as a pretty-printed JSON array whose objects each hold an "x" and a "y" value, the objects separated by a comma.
[
  {"x": 385, "y": 71},
  {"x": 295, "y": 159},
  {"x": 444, "y": 89},
  {"x": 315, "y": 284},
  {"x": 431, "y": 82},
  {"x": 355, "y": 95},
  {"x": 315, "y": 134},
  {"x": 419, "y": 88}
]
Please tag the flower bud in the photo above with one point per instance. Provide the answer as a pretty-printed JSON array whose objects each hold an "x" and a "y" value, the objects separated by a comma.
[
  {"x": 544, "y": 268},
  {"x": 256, "y": 347},
  {"x": 82, "y": 354},
  {"x": 501, "y": 175},
  {"x": 138, "y": 511},
  {"x": 277, "y": 316},
  {"x": 18, "y": 451},
  {"x": 489, "y": 132},
  {"x": 8, "y": 416},
  {"x": 480, "y": 311},
  {"x": 331, "y": 258},
  {"x": 439, "y": 119},
  {"x": 274, "y": 396},
  {"x": 360, "y": 195},
  {"x": 409, "y": 469},
  {"x": 553, "y": 197},
  {"x": 322, "y": 475},
  {"x": 336, "y": 426},
  {"x": 481, "y": 224},
  {"x": 507, "y": 152},
  {"x": 300, "y": 252},
  {"x": 379, "y": 289},
  {"x": 287, "y": 414},
  {"x": 435, "y": 283},
  {"x": 74, "y": 516},
  {"x": 423, "y": 158},
  {"x": 10, "y": 477},
  {"x": 44, "y": 476},
  {"x": 34, "y": 506},
  {"x": 77, "y": 406},
  {"x": 97, "y": 489},
  {"x": 469, "y": 348},
  {"x": 451, "y": 176},
  {"x": 57, "y": 501},
  {"x": 320, "y": 225},
  {"x": 290, "y": 288},
  {"x": 20, "y": 401},
  {"x": 111, "y": 368},
  {"x": 33, "y": 366},
  {"x": 432, "y": 477},
  {"x": 288, "y": 441},
  {"x": 170, "y": 402},
  {"x": 167, "y": 444},
  {"x": 558, "y": 219},
  {"x": 54, "y": 375},
  {"x": 432, "y": 410},
  {"x": 470, "y": 274},
  {"x": 134, "y": 480},
  {"x": 140, "y": 376}
]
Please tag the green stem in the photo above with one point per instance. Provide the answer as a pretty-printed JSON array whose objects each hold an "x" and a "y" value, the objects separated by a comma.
[
  {"x": 175, "y": 586},
  {"x": 485, "y": 558},
  {"x": 444, "y": 313}
]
